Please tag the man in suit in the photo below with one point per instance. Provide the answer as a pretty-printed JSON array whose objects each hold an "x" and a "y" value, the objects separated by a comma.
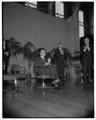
[
  {"x": 60, "y": 61},
  {"x": 86, "y": 58}
]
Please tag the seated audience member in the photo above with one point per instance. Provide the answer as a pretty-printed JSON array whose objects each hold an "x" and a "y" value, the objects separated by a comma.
[{"x": 44, "y": 66}]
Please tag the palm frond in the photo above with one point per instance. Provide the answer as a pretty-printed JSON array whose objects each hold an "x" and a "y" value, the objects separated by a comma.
[
  {"x": 52, "y": 52},
  {"x": 67, "y": 53},
  {"x": 17, "y": 51},
  {"x": 30, "y": 46},
  {"x": 13, "y": 44}
]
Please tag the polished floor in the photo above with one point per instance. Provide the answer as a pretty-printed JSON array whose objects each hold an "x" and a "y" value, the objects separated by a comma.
[{"x": 71, "y": 101}]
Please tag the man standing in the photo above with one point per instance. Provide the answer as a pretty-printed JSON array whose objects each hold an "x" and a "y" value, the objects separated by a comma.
[
  {"x": 60, "y": 61},
  {"x": 86, "y": 55}
]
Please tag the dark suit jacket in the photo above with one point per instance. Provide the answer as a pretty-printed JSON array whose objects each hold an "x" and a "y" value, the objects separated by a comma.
[
  {"x": 87, "y": 55},
  {"x": 39, "y": 62},
  {"x": 59, "y": 58},
  {"x": 40, "y": 66},
  {"x": 41, "y": 69}
]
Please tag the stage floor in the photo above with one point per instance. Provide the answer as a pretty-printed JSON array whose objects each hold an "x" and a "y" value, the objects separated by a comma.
[{"x": 70, "y": 101}]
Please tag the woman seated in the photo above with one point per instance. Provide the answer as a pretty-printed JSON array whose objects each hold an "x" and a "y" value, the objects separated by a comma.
[{"x": 43, "y": 65}]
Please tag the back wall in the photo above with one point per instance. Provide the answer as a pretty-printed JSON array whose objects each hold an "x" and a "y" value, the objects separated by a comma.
[{"x": 27, "y": 24}]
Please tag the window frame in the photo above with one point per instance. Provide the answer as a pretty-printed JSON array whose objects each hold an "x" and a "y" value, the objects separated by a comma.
[
  {"x": 57, "y": 12},
  {"x": 81, "y": 23}
]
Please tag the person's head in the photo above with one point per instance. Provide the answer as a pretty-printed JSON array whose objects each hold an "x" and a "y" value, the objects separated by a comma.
[
  {"x": 42, "y": 52},
  {"x": 60, "y": 46},
  {"x": 86, "y": 41}
]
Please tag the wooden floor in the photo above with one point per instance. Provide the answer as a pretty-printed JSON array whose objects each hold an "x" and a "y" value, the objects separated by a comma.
[{"x": 71, "y": 101}]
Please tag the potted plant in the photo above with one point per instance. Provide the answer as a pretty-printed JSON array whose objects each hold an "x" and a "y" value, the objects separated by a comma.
[
  {"x": 13, "y": 46},
  {"x": 27, "y": 52}
]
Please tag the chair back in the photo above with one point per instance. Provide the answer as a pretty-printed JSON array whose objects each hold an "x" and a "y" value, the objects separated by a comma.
[{"x": 16, "y": 69}]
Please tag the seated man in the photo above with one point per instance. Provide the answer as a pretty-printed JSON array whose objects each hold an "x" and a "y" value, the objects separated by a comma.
[{"x": 44, "y": 66}]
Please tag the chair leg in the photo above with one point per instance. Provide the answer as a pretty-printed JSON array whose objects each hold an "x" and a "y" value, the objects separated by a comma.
[
  {"x": 15, "y": 83},
  {"x": 81, "y": 78},
  {"x": 69, "y": 77},
  {"x": 44, "y": 86}
]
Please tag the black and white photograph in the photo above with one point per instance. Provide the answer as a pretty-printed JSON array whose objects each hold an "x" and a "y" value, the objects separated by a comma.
[{"x": 48, "y": 59}]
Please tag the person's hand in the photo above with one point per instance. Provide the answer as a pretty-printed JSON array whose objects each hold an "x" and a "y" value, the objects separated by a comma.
[
  {"x": 46, "y": 64},
  {"x": 6, "y": 53},
  {"x": 62, "y": 52},
  {"x": 88, "y": 48},
  {"x": 84, "y": 49},
  {"x": 49, "y": 61}
]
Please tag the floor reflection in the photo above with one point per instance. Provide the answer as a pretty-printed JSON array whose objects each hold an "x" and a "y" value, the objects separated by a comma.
[{"x": 70, "y": 101}]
